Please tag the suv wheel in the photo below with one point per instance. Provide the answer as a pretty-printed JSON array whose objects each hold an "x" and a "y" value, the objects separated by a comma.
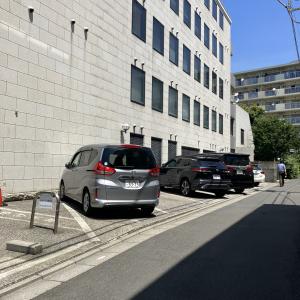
[
  {"x": 185, "y": 187},
  {"x": 239, "y": 190},
  {"x": 62, "y": 193},
  {"x": 220, "y": 194},
  {"x": 147, "y": 210},
  {"x": 86, "y": 203}
]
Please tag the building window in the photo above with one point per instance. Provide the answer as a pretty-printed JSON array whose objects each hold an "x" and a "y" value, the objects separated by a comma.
[
  {"x": 197, "y": 25},
  {"x": 172, "y": 150},
  {"x": 221, "y": 53},
  {"x": 196, "y": 113},
  {"x": 214, "y": 45},
  {"x": 215, "y": 10},
  {"x": 207, "y": 4},
  {"x": 221, "y": 88},
  {"x": 213, "y": 120},
  {"x": 174, "y": 44},
  {"x": 137, "y": 85},
  {"x": 185, "y": 108},
  {"x": 206, "y": 36},
  {"x": 197, "y": 68},
  {"x": 156, "y": 147},
  {"x": 173, "y": 102},
  {"x": 214, "y": 83},
  {"x": 186, "y": 60},
  {"x": 242, "y": 136},
  {"x": 232, "y": 126},
  {"x": 206, "y": 76},
  {"x": 158, "y": 36},
  {"x": 205, "y": 117},
  {"x": 139, "y": 20},
  {"x": 174, "y": 4},
  {"x": 221, "y": 126},
  {"x": 187, "y": 13},
  {"x": 221, "y": 19},
  {"x": 157, "y": 94}
]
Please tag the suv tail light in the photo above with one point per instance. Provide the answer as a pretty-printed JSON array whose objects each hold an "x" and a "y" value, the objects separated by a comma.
[
  {"x": 100, "y": 169},
  {"x": 249, "y": 169},
  {"x": 230, "y": 169},
  {"x": 154, "y": 172},
  {"x": 262, "y": 172},
  {"x": 200, "y": 170},
  {"x": 131, "y": 146}
]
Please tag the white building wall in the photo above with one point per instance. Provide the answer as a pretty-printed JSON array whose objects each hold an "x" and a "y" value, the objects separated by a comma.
[{"x": 59, "y": 91}]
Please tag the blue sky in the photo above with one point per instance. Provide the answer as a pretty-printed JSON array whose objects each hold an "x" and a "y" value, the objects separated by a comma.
[{"x": 261, "y": 34}]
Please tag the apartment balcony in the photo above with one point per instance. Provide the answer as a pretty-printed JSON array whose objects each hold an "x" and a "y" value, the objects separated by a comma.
[
  {"x": 289, "y": 76},
  {"x": 254, "y": 96},
  {"x": 282, "y": 107}
]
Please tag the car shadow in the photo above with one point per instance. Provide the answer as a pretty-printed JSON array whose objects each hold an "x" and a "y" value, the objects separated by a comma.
[
  {"x": 194, "y": 195},
  {"x": 111, "y": 213}
]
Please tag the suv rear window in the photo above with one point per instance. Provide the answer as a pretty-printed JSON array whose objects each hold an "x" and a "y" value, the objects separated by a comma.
[
  {"x": 128, "y": 158},
  {"x": 211, "y": 163},
  {"x": 236, "y": 160}
]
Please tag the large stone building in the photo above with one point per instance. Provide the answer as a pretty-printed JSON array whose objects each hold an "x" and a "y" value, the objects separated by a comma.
[
  {"x": 276, "y": 89},
  {"x": 75, "y": 72}
]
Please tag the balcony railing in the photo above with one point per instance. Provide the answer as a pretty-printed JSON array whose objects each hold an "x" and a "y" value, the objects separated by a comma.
[{"x": 281, "y": 106}]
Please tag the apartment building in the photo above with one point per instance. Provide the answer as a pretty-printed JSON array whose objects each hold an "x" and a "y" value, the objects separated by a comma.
[
  {"x": 74, "y": 72},
  {"x": 276, "y": 89}
]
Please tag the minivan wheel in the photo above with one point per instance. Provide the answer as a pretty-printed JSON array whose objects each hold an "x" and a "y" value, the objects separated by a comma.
[
  {"x": 239, "y": 190},
  {"x": 147, "y": 210},
  {"x": 220, "y": 194},
  {"x": 86, "y": 203},
  {"x": 62, "y": 195},
  {"x": 185, "y": 187}
]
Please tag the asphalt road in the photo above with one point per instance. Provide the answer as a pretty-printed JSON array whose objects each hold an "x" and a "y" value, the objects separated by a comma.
[{"x": 249, "y": 250}]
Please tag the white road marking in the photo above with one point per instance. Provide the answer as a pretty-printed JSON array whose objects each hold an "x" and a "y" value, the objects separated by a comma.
[
  {"x": 29, "y": 212},
  {"x": 101, "y": 257},
  {"x": 160, "y": 210},
  {"x": 27, "y": 221},
  {"x": 82, "y": 223}
]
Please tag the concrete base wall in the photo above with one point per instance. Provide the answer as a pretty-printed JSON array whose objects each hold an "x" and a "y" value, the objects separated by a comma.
[{"x": 270, "y": 169}]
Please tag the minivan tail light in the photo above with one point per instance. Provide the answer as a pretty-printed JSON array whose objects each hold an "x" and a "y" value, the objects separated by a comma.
[
  {"x": 100, "y": 169},
  {"x": 200, "y": 170},
  {"x": 154, "y": 171}
]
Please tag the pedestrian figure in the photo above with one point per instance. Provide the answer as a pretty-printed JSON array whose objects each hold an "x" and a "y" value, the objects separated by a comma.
[{"x": 282, "y": 172}]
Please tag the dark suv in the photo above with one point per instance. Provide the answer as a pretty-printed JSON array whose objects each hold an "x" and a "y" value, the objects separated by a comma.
[
  {"x": 240, "y": 169},
  {"x": 190, "y": 173}
]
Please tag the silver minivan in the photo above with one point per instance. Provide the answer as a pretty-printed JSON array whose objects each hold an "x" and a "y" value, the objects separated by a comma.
[{"x": 112, "y": 175}]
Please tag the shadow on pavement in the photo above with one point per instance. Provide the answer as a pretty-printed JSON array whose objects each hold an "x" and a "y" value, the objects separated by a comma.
[{"x": 257, "y": 258}]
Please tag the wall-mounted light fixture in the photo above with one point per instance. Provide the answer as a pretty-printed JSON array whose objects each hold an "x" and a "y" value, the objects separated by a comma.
[
  {"x": 86, "y": 30},
  {"x": 125, "y": 127},
  {"x": 30, "y": 12},
  {"x": 72, "y": 21}
]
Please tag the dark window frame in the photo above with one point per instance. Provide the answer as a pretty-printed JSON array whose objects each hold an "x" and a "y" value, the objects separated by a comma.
[
  {"x": 242, "y": 137},
  {"x": 214, "y": 121},
  {"x": 205, "y": 78},
  {"x": 160, "y": 26},
  {"x": 214, "y": 82},
  {"x": 173, "y": 38},
  {"x": 186, "y": 98},
  {"x": 214, "y": 10},
  {"x": 175, "y": 8},
  {"x": 154, "y": 79},
  {"x": 187, "y": 14},
  {"x": 197, "y": 62},
  {"x": 207, "y": 4},
  {"x": 186, "y": 51},
  {"x": 197, "y": 25},
  {"x": 221, "y": 124},
  {"x": 197, "y": 106},
  {"x": 214, "y": 47},
  {"x": 137, "y": 5},
  {"x": 221, "y": 19},
  {"x": 143, "y": 88},
  {"x": 206, "y": 36},
  {"x": 221, "y": 53},
  {"x": 221, "y": 88},
  {"x": 205, "y": 117},
  {"x": 174, "y": 115}
]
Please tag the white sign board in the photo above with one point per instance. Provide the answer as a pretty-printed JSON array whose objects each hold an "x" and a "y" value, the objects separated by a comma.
[{"x": 45, "y": 201}]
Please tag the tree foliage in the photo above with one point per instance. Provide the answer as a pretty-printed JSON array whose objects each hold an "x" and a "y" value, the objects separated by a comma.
[{"x": 273, "y": 137}]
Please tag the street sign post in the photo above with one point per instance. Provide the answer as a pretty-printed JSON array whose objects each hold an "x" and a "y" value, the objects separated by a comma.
[{"x": 46, "y": 200}]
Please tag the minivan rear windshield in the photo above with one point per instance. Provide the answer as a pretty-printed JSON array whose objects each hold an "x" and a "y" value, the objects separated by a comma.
[
  {"x": 211, "y": 163},
  {"x": 236, "y": 160},
  {"x": 128, "y": 158}
]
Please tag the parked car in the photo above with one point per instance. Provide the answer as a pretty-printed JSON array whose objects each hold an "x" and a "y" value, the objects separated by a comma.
[
  {"x": 240, "y": 169},
  {"x": 190, "y": 173},
  {"x": 112, "y": 175},
  {"x": 259, "y": 174}
]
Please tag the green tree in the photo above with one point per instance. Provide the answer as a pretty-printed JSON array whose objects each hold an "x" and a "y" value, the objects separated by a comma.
[
  {"x": 254, "y": 112},
  {"x": 273, "y": 138}
]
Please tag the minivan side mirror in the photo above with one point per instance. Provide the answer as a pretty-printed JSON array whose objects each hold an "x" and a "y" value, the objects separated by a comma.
[
  {"x": 163, "y": 165},
  {"x": 68, "y": 165}
]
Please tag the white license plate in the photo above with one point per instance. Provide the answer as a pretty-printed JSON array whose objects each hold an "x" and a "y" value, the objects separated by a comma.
[
  {"x": 132, "y": 185},
  {"x": 216, "y": 177},
  {"x": 239, "y": 172}
]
